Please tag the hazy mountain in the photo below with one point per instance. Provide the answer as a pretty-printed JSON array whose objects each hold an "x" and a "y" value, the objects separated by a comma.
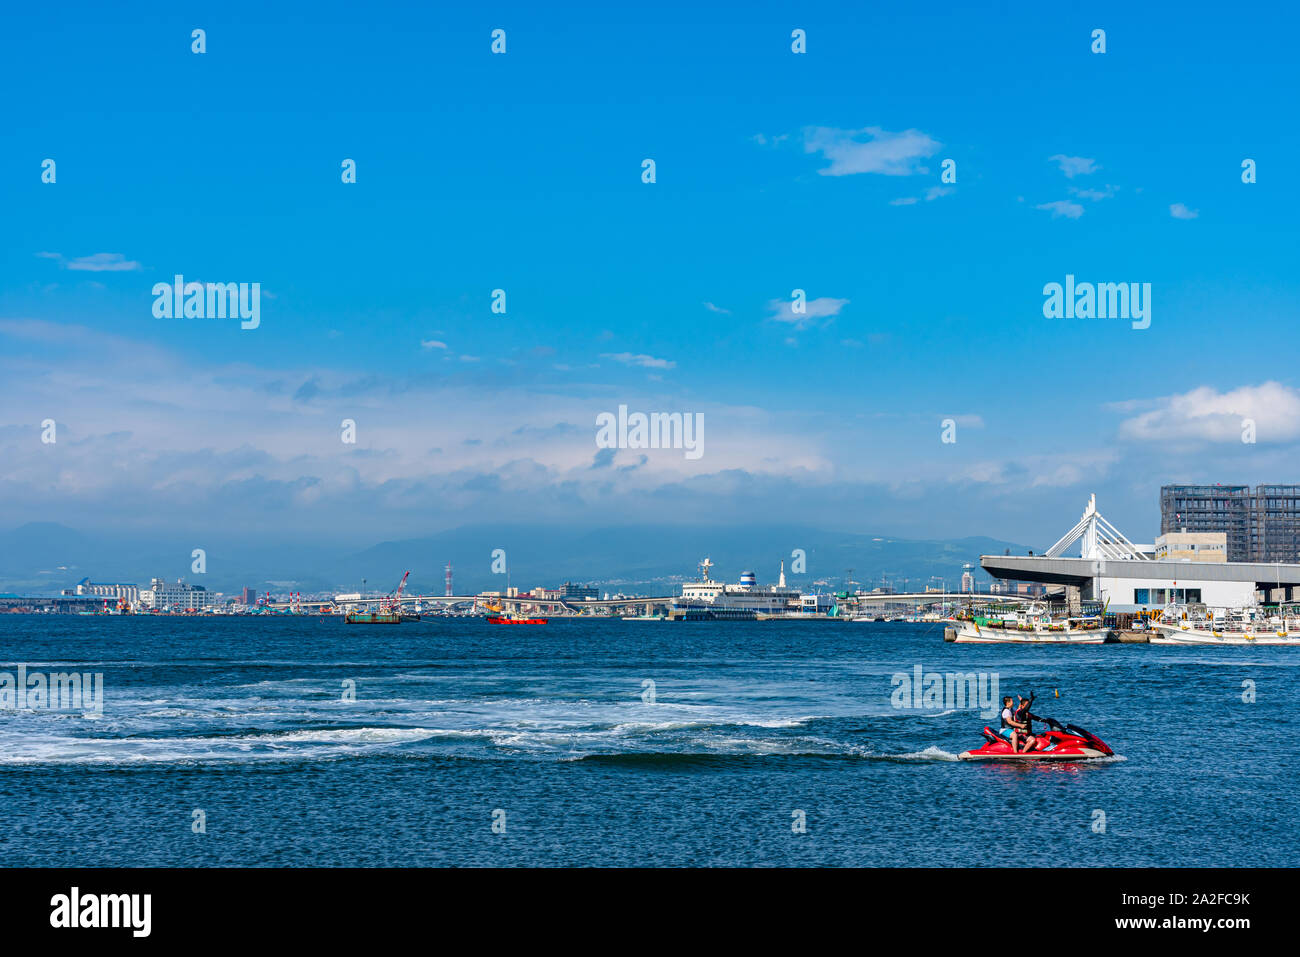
[{"x": 45, "y": 557}]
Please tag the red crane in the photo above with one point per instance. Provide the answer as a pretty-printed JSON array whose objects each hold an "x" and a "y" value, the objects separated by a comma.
[{"x": 396, "y": 603}]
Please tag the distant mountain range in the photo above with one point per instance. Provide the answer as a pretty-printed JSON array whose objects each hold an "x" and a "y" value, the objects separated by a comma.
[{"x": 43, "y": 558}]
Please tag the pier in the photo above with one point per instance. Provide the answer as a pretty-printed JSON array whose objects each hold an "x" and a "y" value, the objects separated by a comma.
[{"x": 905, "y": 602}]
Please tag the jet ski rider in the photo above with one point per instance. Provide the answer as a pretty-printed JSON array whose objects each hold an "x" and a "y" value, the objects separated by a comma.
[
  {"x": 1025, "y": 719},
  {"x": 1010, "y": 726}
]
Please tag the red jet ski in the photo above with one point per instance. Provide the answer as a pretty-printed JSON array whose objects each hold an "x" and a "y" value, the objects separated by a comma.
[{"x": 1068, "y": 743}]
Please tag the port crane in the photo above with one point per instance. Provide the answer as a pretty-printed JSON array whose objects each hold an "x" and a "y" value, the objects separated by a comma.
[{"x": 395, "y": 598}]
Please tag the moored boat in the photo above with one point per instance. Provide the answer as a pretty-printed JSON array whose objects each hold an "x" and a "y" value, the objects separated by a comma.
[
  {"x": 1035, "y": 624},
  {"x": 1197, "y": 624},
  {"x": 373, "y": 618},
  {"x": 747, "y": 600}
]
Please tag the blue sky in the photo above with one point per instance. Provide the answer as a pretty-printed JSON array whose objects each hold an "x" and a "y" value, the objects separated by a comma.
[{"x": 522, "y": 171}]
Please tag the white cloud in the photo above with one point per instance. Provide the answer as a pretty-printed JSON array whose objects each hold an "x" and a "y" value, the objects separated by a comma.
[
  {"x": 1062, "y": 207},
  {"x": 1096, "y": 195},
  {"x": 1073, "y": 166},
  {"x": 1060, "y": 470},
  {"x": 931, "y": 194},
  {"x": 98, "y": 262},
  {"x": 712, "y": 308},
  {"x": 432, "y": 344},
  {"x": 128, "y": 444},
  {"x": 1179, "y": 211},
  {"x": 824, "y": 308},
  {"x": 870, "y": 150},
  {"x": 1206, "y": 415},
  {"x": 639, "y": 359}
]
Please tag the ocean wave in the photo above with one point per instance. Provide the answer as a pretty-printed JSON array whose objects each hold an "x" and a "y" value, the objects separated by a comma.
[
  {"x": 701, "y": 759},
  {"x": 289, "y": 745}
]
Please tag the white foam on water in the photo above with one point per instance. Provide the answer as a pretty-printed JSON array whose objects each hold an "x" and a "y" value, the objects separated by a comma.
[
  {"x": 931, "y": 753},
  {"x": 294, "y": 745}
]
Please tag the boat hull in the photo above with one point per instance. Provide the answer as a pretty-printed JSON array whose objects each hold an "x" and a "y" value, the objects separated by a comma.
[
  {"x": 1033, "y": 757},
  {"x": 1177, "y": 635},
  {"x": 372, "y": 618},
  {"x": 967, "y": 633}
]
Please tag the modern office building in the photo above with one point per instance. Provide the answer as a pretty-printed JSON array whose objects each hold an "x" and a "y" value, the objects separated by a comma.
[
  {"x": 1277, "y": 517},
  {"x": 570, "y": 590},
  {"x": 1262, "y": 524}
]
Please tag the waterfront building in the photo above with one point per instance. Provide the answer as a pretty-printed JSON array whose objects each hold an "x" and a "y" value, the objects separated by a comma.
[
  {"x": 570, "y": 590},
  {"x": 1192, "y": 547},
  {"x": 163, "y": 595},
  {"x": 115, "y": 590},
  {"x": 1111, "y": 569},
  {"x": 1262, "y": 524}
]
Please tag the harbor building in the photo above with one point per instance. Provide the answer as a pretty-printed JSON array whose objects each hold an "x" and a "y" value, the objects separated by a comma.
[
  {"x": 1181, "y": 566},
  {"x": 176, "y": 595},
  {"x": 1262, "y": 524},
  {"x": 118, "y": 591},
  {"x": 1192, "y": 547}
]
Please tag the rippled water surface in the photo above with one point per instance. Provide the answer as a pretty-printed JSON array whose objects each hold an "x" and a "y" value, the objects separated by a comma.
[{"x": 307, "y": 742}]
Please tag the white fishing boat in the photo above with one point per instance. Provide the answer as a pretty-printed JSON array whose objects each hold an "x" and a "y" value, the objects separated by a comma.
[
  {"x": 1034, "y": 624},
  {"x": 1196, "y": 624}
]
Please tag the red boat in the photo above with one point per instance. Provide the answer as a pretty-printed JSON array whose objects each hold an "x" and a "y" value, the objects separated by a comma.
[
  {"x": 1068, "y": 743},
  {"x": 514, "y": 620}
]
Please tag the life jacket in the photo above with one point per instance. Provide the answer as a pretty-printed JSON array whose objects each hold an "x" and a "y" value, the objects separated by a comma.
[{"x": 1025, "y": 718}]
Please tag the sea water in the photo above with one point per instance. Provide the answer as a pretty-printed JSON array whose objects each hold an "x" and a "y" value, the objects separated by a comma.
[{"x": 303, "y": 741}]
